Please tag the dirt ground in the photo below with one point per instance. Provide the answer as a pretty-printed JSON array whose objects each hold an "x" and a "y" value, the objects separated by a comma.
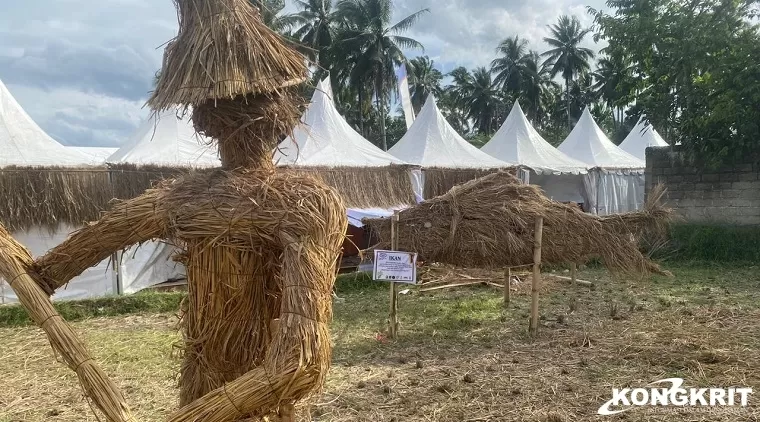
[{"x": 461, "y": 355}]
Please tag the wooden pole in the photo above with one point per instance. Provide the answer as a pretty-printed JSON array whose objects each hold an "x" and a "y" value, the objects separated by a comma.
[
  {"x": 507, "y": 287},
  {"x": 573, "y": 272},
  {"x": 536, "y": 275},
  {"x": 393, "y": 318}
]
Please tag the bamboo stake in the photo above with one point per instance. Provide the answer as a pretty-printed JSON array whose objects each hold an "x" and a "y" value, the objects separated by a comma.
[
  {"x": 393, "y": 319},
  {"x": 573, "y": 272},
  {"x": 536, "y": 275},
  {"x": 507, "y": 287}
]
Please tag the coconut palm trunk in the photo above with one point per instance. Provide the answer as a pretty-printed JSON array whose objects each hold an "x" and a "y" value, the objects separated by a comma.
[{"x": 567, "y": 103}]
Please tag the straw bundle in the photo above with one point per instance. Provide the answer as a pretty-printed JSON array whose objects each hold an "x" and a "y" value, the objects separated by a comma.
[
  {"x": 489, "y": 222},
  {"x": 260, "y": 246},
  {"x": 223, "y": 50},
  {"x": 15, "y": 262},
  {"x": 49, "y": 196},
  {"x": 366, "y": 187},
  {"x": 438, "y": 181}
]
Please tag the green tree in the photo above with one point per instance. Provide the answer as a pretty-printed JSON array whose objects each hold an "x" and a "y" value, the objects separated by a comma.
[
  {"x": 566, "y": 56},
  {"x": 480, "y": 98},
  {"x": 536, "y": 82},
  {"x": 613, "y": 82},
  {"x": 424, "y": 79},
  {"x": 510, "y": 65},
  {"x": 697, "y": 68},
  {"x": 377, "y": 45},
  {"x": 271, "y": 14},
  {"x": 316, "y": 30}
]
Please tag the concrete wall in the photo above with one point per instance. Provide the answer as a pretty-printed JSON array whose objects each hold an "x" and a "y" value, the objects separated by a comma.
[{"x": 730, "y": 194}]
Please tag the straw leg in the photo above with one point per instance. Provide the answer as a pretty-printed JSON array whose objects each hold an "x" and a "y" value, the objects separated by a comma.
[
  {"x": 507, "y": 287},
  {"x": 536, "y": 275},
  {"x": 573, "y": 273}
]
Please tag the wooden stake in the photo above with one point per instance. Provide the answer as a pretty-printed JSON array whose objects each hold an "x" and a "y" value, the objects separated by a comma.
[
  {"x": 393, "y": 318},
  {"x": 507, "y": 287},
  {"x": 536, "y": 275},
  {"x": 573, "y": 272}
]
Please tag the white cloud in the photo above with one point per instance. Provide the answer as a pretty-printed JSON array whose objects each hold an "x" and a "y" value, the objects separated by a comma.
[{"x": 83, "y": 68}]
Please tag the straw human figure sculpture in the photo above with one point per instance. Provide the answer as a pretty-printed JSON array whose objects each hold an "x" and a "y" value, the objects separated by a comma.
[{"x": 260, "y": 246}]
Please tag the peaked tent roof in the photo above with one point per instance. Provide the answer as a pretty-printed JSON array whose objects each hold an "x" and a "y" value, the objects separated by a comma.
[
  {"x": 517, "y": 141},
  {"x": 325, "y": 139},
  {"x": 641, "y": 137},
  {"x": 432, "y": 142},
  {"x": 165, "y": 139},
  {"x": 23, "y": 143},
  {"x": 587, "y": 143},
  {"x": 97, "y": 155}
]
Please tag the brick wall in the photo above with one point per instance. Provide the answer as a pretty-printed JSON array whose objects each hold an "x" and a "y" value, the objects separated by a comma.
[{"x": 730, "y": 194}]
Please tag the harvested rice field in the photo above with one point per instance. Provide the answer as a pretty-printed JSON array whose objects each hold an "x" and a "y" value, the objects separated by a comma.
[{"x": 461, "y": 356}]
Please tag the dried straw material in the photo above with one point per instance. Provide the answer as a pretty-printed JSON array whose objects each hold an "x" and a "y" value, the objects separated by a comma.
[
  {"x": 249, "y": 127},
  {"x": 438, "y": 181},
  {"x": 223, "y": 50},
  {"x": 47, "y": 197},
  {"x": 366, "y": 187},
  {"x": 15, "y": 262},
  {"x": 261, "y": 250},
  {"x": 489, "y": 223}
]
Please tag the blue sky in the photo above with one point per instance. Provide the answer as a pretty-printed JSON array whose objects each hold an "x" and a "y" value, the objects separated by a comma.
[{"x": 83, "y": 68}]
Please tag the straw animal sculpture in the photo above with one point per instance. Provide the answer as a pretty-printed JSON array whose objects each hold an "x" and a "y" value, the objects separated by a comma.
[
  {"x": 260, "y": 246},
  {"x": 489, "y": 223}
]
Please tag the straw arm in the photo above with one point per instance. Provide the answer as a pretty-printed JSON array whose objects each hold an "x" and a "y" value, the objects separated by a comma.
[{"x": 129, "y": 222}]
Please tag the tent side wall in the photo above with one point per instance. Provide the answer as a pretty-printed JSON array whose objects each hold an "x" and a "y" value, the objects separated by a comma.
[
  {"x": 614, "y": 191},
  {"x": 561, "y": 187}
]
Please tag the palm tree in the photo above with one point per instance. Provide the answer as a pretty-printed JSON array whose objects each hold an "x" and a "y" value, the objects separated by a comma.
[
  {"x": 316, "y": 30},
  {"x": 270, "y": 14},
  {"x": 567, "y": 56},
  {"x": 424, "y": 79},
  {"x": 613, "y": 83},
  {"x": 379, "y": 45},
  {"x": 536, "y": 81},
  {"x": 509, "y": 67},
  {"x": 482, "y": 100}
]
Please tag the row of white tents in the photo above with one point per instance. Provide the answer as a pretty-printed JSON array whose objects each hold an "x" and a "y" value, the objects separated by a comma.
[{"x": 586, "y": 168}]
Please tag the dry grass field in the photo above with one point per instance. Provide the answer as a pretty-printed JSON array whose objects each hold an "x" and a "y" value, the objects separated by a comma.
[{"x": 461, "y": 356}]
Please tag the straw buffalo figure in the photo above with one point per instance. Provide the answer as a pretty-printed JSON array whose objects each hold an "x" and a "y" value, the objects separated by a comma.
[{"x": 260, "y": 246}]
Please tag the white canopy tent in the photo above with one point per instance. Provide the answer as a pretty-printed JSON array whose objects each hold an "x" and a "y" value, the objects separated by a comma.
[
  {"x": 97, "y": 155},
  {"x": 518, "y": 142},
  {"x": 641, "y": 137},
  {"x": 431, "y": 142},
  {"x": 436, "y": 147},
  {"x": 324, "y": 139},
  {"x": 24, "y": 144},
  {"x": 166, "y": 139},
  {"x": 616, "y": 183}
]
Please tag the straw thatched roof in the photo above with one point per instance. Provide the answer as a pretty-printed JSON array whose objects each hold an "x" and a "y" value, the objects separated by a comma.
[
  {"x": 223, "y": 50},
  {"x": 489, "y": 222}
]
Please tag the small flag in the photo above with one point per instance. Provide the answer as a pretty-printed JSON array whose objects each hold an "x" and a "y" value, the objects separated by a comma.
[{"x": 406, "y": 98}]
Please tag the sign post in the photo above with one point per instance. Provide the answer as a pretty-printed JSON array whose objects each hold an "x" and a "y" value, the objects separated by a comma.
[
  {"x": 538, "y": 235},
  {"x": 395, "y": 267}
]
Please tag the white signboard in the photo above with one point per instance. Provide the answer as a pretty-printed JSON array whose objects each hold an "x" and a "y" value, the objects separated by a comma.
[{"x": 398, "y": 267}]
